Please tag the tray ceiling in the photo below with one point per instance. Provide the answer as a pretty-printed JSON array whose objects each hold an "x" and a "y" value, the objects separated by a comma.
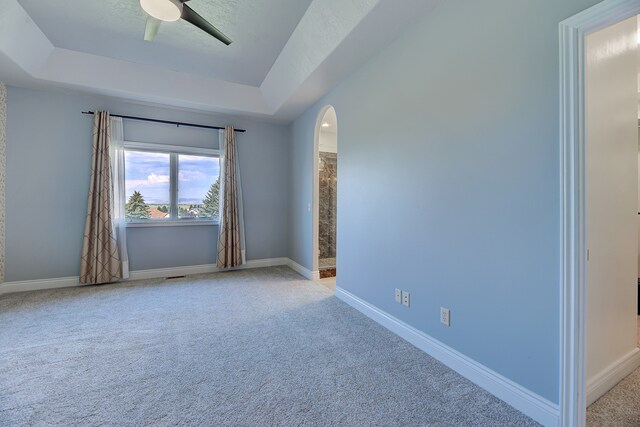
[
  {"x": 286, "y": 54},
  {"x": 115, "y": 29}
]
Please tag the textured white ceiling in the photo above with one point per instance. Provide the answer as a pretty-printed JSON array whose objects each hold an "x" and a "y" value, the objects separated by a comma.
[
  {"x": 115, "y": 28},
  {"x": 105, "y": 53}
]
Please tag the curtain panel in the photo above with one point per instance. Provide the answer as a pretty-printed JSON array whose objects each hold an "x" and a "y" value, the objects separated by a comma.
[
  {"x": 100, "y": 261},
  {"x": 231, "y": 245},
  {"x": 116, "y": 151}
]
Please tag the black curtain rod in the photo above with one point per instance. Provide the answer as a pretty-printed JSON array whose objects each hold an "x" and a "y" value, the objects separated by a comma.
[{"x": 167, "y": 122}]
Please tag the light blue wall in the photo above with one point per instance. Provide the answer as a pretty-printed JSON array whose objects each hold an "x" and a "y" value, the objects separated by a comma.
[
  {"x": 301, "y": 189},
  {"x": 48, "y": 160},
  {"x": 448, "y": 153}
]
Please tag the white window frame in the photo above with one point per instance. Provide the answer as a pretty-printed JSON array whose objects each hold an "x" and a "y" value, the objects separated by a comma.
[{"x": 173, "y": 151}]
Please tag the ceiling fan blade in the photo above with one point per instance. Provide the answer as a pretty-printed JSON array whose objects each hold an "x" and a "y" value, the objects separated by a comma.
[
  {"x": 151, "y": 30},
  {"x": 192, "y": 17}
]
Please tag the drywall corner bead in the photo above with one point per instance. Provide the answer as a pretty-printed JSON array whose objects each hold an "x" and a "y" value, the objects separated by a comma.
[{"x": 3, "y": 144}]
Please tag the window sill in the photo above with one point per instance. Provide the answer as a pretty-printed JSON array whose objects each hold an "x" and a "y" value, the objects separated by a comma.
[{"x": 169, "y": 223}]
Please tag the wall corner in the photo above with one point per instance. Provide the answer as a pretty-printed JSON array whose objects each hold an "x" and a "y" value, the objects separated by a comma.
[{"x": 3, "y": 145}]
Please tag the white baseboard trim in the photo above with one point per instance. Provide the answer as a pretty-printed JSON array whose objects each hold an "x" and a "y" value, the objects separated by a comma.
[
  {"x": 302, "y": 270},
  {"x": 612, "y": 375},
  {"x": 524, "y": 400},
  {"x": 158, "y": 273},
  {"x": 36, "y": 285}
]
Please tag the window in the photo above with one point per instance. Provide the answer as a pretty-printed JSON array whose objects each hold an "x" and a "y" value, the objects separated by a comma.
[{"x": 170, "y": 183}]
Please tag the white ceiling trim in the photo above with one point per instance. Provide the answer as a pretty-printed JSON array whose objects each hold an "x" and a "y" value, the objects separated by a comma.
[{"x": 332, "y": 39}]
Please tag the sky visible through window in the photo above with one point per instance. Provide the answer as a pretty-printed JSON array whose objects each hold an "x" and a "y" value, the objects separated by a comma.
[
  {"x": 195, "y": 176},
  {"x": 149, "y": 174}
]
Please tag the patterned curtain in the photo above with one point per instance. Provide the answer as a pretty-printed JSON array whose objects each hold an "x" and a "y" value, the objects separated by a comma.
[
  {"x": 231, "y": 228},
  {"x": 100, "y": 262}
]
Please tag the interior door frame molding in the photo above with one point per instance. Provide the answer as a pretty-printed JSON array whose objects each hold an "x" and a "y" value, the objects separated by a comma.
[{"x": 573, "y": 32}]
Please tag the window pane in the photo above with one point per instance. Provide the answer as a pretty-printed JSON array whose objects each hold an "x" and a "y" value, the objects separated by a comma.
[
  {"x": 147, "y": 177},
  {"x": 198, "y": 186}
]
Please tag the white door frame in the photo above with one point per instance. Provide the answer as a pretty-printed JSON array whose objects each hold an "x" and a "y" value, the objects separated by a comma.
[
  {"x": 573, "y": 32},
  {"x": 315, "y": 235}
]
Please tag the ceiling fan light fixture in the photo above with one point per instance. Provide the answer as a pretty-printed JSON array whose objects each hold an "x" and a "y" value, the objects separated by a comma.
[{"x": 164, "y": 10}]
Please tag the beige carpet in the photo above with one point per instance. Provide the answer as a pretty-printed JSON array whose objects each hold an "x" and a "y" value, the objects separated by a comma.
[
  {"x": 250, "y": 348},
  {"x": 620, "y": 406},
  {"x": 329, "y": 283}
]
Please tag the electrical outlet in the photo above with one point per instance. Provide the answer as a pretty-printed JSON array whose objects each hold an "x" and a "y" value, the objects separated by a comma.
[
  {"x": 445, "y": 316},
  {"x": 398, "y": 296},
  {"x": 405, "y": 298}
]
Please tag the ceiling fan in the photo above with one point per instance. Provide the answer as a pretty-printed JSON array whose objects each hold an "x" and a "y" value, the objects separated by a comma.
[{"x": 172, "y": 10}]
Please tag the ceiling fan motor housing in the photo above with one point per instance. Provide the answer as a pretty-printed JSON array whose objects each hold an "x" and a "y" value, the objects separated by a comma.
[
  {"x": 172, "y": 10},
  {"x": 164, "y": 10}
]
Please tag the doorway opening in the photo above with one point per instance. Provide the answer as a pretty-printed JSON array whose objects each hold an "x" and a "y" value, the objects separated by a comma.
[
  {"x": 326, "y": 196},
  {"x": 599, "y": 209},
  {"x": 611, "y": 216}
]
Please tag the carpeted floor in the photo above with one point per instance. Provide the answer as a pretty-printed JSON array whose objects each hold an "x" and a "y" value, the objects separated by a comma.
[
  {"x": 620, "y": 406},
  {"x": 249, "y": 348}
]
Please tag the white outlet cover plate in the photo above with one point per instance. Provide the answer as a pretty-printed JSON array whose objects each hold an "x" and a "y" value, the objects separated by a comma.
[
  {"x": 405, "y": 298},
  {"x": 445, "y": 316},
  {"x": 398, "y": 296}
]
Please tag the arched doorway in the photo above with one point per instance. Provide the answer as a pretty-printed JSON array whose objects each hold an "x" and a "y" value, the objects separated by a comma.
[{"x": 325, "y": 194}]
